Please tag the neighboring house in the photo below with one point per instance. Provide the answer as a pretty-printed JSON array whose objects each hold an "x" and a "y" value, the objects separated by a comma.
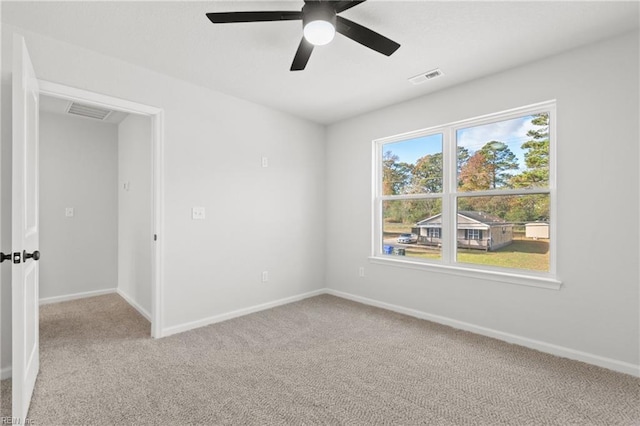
[
  {"x": 537, "y": 230},
  {"x": 476, "y": 230}
]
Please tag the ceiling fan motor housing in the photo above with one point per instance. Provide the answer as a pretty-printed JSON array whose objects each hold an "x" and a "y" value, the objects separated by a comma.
[{"x": 318, "y": 11}]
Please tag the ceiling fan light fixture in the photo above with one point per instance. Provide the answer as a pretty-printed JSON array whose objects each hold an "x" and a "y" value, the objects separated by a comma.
[
  {"x": 318, "y": 22},
  {"x": 319, "y": 32}
]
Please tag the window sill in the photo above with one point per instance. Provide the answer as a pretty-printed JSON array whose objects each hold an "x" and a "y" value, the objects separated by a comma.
[{"x": 471, "y": 272}]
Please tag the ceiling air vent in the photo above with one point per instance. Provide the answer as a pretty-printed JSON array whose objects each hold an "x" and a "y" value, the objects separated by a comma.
[
  {"x": 429, "y": 75},
  {"x": 88, "y": 111}
]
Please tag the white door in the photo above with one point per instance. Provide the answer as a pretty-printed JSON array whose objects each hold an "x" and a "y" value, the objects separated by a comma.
[{"x": 24, "y": 231}]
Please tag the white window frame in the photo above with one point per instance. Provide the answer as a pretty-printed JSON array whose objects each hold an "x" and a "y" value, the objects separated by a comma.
[
  {"x": 447, "y": 263},
  {"x": 475, "y": 236}
]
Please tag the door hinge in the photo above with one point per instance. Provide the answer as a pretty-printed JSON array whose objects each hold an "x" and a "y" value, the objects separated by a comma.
[
  {"x": 16, "y": 257},
  {"x": 155, "y": 237}
]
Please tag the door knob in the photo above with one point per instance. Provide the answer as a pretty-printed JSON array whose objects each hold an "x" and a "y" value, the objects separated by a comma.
[
  {"x": 4, "y": 257},
  {"x": 35, "y": 255}
]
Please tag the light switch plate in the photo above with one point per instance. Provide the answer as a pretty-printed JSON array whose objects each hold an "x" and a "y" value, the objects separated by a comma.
[
  {"x": 68, "y": 212},
  {"x": 197, "y": 213}
]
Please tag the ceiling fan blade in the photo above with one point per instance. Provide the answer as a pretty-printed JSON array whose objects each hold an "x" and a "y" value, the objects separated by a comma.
[
  {"x": 302, "y": 55},
  {"x": 341, "y": 6},
  {"x": 229, "y": 17},
  {"x": 365, "y": 36}
]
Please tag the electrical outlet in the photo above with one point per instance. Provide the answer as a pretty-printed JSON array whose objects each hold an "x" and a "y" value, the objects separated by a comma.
[
  {"x": 361, "y": 271},
  {"x": 197, "y": 213},
  {"x": 265, "y": 162},
  {"x": 265, "y": 276}
]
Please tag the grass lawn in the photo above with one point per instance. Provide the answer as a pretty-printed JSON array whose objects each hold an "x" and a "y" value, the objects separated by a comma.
[{"x": 521, "y": 254}]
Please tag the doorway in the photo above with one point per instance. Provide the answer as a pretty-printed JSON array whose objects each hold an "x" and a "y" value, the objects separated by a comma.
[
  {"x": 155, "y": 116},
  {"x": 95, "y": 204}
]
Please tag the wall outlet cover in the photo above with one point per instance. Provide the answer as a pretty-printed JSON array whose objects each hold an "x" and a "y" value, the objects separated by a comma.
[{"x": 197, "y": 213}]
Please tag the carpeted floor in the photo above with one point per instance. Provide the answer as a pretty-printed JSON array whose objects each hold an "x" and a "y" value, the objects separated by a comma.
[
  {"x": 5, "y": 399},
  {"x": 323, "y": 360}
]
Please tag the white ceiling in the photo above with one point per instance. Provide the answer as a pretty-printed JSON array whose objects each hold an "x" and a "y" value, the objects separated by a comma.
[{"x": 467, "y": 40}]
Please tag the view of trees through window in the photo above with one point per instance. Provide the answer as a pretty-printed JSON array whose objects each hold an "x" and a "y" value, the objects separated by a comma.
[
  {"x": 509, "y": 230},
  {"x": 412, "y": 166}
]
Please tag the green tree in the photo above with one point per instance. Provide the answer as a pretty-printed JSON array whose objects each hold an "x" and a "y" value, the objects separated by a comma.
[
  {"x": 463, "y": 158},
  {"x": 536, "y": 156},
  {"x": 395, "y": 176},
  {"x": 528, "y": 208},
  {"x": 409, "y": 212},
  {"x": 499, "y": 160},
  {"x": 426, "y": 175}
]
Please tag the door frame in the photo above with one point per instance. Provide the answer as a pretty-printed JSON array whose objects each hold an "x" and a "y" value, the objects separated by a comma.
[{"x": 157, "y": 148}]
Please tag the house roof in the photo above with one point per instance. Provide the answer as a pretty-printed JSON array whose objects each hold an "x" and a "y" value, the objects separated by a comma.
[
  {"x": 476, "y": 216},
  {"x": 482, "y": 217}
]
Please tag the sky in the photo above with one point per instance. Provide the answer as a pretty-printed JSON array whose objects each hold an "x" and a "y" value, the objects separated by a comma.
[
  {"x": 511, "y": 132},
  {"x": 410, "y": 150}
]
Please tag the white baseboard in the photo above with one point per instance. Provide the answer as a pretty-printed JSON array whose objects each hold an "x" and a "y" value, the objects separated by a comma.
[
  {"x": 5, "y": 373},
  {"x": 135, "y": 305},
  {"x": 561, "y": 351},
  {"x": 168, "y": 331},
  {"x": 67, "y": 297},
  {"x": 609, "y": 363}
]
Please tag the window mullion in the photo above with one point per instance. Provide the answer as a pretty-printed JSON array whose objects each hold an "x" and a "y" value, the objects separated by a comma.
[
  {"x": 376, "y": 203},
  {"x": 502, "y": 192},
  {"x": 425, "y": 196},
  {"x": 448, "y": 199},
  {"x": 552, "y": 189}
]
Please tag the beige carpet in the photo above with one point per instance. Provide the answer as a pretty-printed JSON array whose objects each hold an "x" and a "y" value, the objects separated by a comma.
[{"x": 323, "y": 360}]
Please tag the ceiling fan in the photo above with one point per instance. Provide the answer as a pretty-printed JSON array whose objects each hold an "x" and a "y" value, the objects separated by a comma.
[{"x": 320, "y": 22}]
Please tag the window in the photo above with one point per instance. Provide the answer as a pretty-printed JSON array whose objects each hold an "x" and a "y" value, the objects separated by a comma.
[
  {"x": 411, "y": 187},
  {"x": 471, "y": 194},
  {"x": 434, "y": 232},
  {"x": 473, "y": 234}
]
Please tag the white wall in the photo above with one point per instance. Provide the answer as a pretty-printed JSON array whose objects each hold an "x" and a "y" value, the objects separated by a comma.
[
  {"x": 597, "y": 310},
  {"x": 256, "y": 219},
  {"x": 135, "y": 211},
  {"x": 78, "y": 169}
]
